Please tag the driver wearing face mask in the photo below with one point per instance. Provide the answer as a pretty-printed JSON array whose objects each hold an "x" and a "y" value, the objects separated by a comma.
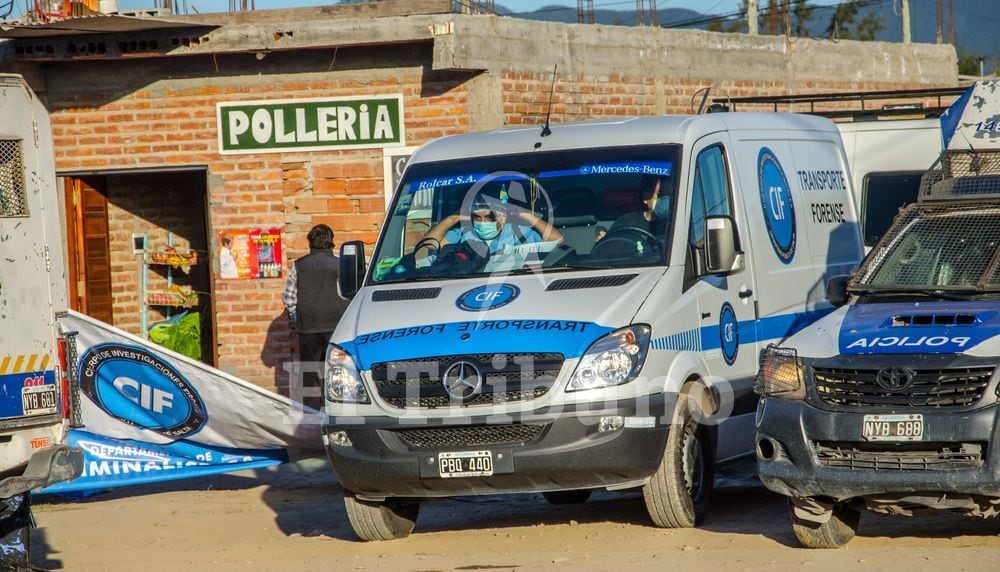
[
  {"x": 654, "y": 193},
  {"x": 493, "y": 223}
]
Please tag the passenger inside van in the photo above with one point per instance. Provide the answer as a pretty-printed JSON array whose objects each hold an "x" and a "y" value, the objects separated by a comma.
[{"x": 491, "y": 225}]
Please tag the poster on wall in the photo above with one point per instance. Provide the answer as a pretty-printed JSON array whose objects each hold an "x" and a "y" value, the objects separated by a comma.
[{"x": 251, "y": 253}]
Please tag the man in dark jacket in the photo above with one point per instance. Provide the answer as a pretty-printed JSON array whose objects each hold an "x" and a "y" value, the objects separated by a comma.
[{"x": 315, "y": 306}]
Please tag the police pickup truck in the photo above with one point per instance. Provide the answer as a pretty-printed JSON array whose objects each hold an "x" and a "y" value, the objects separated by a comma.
[{"x": 890, "y": 404}]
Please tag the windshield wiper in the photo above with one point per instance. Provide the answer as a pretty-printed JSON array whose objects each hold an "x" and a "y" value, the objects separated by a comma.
[{"x": 938, "y": 294}]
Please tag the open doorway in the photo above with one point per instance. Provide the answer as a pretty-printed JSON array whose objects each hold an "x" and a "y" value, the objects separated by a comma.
[{"x": 138, "y": 255}]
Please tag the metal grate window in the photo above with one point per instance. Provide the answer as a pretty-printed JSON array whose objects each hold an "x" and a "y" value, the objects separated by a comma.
[
  {"x": 962, "y": 174},
  {"x": 933, "y": 245},
  {"x": 13, "y": 197}
]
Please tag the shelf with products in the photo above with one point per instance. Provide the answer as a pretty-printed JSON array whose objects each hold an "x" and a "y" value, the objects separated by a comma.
[{"x": 174, "y": 295}]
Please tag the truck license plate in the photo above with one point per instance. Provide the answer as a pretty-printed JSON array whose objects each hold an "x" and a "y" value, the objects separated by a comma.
[
  {"x": 909, "y": 427},
  {"x": 465, "y": 464},
  {"x": 39, "y": 399}
]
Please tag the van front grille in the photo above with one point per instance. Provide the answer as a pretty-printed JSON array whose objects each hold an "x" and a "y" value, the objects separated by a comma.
[
  {"x": 471, "y": 436},
  {"x": 506, "y": 378}
]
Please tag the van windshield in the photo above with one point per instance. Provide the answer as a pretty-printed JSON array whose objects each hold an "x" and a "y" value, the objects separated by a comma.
[
  {"x": 535, "y": 212},
  {"x": 937, "y": 247}
]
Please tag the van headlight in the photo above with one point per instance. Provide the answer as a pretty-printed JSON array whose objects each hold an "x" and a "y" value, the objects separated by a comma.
[
  {"x": 613, "y": 359},
  {"x": 343, "y": 382},
  {"x": 781, "y": 374}
]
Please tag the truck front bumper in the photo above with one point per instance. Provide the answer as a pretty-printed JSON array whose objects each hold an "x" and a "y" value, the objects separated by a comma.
[
  {"x": 804, "y": 452},
  {"x": 536, "y": 452}
]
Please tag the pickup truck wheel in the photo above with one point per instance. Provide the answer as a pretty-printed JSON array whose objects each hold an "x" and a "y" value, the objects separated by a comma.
[
  {"x": 390, "y": 519},
  {"x": 834, "y": 533},
  {"x": 678, "y": 494},
  {"x": 567, "y": 497}
]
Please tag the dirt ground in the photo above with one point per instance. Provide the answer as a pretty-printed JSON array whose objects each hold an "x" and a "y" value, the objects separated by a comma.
[{"x": 292, "y": 518}]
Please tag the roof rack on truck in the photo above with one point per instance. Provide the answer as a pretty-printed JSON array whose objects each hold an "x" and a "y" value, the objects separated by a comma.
[{"x": 865, "y": 105}]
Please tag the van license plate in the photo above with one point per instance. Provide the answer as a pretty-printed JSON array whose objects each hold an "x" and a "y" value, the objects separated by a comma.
[
  {"x": 909, "y": 427},
  {"x": 465, "y": 464},
  {"x": 39, "y": 399}
]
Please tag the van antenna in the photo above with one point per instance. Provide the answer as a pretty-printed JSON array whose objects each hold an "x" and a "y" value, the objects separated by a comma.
[
  {"x": 704, "y": 98},
  {"x": 548, "y": 112}
]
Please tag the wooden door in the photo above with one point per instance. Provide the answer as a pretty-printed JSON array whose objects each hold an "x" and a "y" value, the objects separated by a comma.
[{"x": 89, "y": 248}]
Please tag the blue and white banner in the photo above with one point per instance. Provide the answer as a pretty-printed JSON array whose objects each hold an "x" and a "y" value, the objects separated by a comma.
[
  {"x": 151, "y": 414},
  {"x": 973, "y": 121}
]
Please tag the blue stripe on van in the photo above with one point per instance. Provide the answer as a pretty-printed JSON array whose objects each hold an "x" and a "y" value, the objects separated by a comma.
[
  {"x": 567, "y": 337},
  {"x": 750, "y": 331}
]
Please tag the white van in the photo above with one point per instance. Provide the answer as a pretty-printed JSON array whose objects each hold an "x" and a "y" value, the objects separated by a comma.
[
  {"x": 484, "y": 356},
  {"x": 887, "y": 159}
]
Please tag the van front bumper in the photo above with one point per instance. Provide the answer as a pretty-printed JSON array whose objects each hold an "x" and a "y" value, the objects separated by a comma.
[
  {"x": 536, "y": 452},
  {"x": 804, "y": 452}
]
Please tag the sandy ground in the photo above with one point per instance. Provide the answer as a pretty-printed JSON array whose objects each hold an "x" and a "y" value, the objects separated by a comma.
[{"x": 292, "y": 518}]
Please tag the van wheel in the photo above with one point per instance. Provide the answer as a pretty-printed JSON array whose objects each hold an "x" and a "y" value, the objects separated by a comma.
[
  {"x": 834, "y": 533},
  {"x": 567, "y": 497},
  {"x": 678, "y": 495},
  {"x": 381, "y": 520}
]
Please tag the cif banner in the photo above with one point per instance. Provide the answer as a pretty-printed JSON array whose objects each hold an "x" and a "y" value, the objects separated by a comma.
[{"x": 151, "y": 414}]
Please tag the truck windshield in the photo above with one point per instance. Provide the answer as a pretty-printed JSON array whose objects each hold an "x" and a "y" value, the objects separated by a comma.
[
  {"x": 535, "y": 212},
  {"x": 937, "y": 247}
]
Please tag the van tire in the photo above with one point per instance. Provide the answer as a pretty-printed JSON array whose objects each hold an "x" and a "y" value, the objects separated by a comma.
[
  {"x": 390, "y": 519},
  {"x": 833, "y": 533},
  {"x": 567, "y": 497},
  {"x": 678, "y": 494}
]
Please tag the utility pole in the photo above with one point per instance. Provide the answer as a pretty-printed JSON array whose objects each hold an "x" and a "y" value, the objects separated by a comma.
[
  {"x": 772, "y": 16},
  {"x": 585, "y": 11},
  {"x": 951, "y": 22},
  {"x": 752, "y": 17},
  {"x": 906, "y": 22},
  {"x": 938, "y": 5},
  {"x": 788, "y": 18}
]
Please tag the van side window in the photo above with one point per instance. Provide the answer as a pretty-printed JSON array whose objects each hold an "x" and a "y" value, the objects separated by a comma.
[
  {"x": 710, "y": 194},
  {"x": 883, "y": 194}
]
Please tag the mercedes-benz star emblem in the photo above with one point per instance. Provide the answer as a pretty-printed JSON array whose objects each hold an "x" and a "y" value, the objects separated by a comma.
[
  {"x": 894, "y": 378},
  {"x": 462, "y": 381}
]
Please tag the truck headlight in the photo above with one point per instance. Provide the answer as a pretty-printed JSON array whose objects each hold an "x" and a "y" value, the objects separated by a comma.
[
  {"x": 781, "y": 374},
  {"x": 613, "y": 359},
  {"x": 343, "y": 382}
]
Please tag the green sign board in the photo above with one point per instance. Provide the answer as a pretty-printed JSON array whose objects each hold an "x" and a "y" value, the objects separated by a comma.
[{"x": 288, "y": 125}]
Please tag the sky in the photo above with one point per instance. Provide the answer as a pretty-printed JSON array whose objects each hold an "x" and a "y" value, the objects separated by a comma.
[{"x": 703, "y": 6}]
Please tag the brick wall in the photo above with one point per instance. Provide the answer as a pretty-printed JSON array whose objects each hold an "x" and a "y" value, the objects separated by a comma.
[{"x": 128, "y": 115}]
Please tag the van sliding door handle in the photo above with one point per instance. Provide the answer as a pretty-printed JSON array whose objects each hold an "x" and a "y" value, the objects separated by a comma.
[
  {"x": 745, "y": 293},
  {"x": 706, "y": 315}
]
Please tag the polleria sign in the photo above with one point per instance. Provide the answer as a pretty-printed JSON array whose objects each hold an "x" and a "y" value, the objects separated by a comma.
[{"x": 274, "y": 126}]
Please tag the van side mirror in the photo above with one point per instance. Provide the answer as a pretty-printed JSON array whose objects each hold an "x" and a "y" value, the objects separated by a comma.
[
  {"x": 352, "y": 267},
  {"x": 836, "y": 290},
  {"x": 722, "y": 255}
]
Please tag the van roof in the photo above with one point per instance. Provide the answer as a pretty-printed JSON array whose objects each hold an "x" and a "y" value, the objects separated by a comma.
[{"x": 613, "y": 133}]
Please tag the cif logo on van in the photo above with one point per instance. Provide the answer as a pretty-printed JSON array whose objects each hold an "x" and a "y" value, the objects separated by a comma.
[
  {"x": 140, "y": 389},
  {"x": 487, "y": 297},
  {"x": 776, "y": 200},
  {"x": 729, "y": 333}
]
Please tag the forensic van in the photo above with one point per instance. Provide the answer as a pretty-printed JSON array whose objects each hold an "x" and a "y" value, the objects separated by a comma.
[
  {"x": 34, "y": 405},
  {"x": 580, "y": 307},
  {"x": 890, "y": 403}
]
